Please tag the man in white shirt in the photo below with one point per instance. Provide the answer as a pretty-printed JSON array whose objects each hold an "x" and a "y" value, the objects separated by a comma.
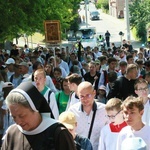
[
  {"x": 91, "y": 115},
  {"x": 40, "y": 82},
  {"x": 62, "y": 64},
  {"x": 73, "y": 81}
]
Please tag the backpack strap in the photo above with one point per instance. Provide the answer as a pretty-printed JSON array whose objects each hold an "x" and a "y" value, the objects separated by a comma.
[
  {"x": 105, "y": 77},
  {"x": 49, "y": 93},
  {"x": 82, "y": 73},
  {"x": 11, "y": 78},
  {"x": 58, "y": 100}
]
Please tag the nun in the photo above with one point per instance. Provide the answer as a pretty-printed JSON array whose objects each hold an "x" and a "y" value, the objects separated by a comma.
[{"x": 33, "y": 128}]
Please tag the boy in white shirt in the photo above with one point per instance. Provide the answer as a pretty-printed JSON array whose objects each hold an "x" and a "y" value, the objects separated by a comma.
[
  {"x": 109, "y": 133},
  {"x": 133, "y": 110}
]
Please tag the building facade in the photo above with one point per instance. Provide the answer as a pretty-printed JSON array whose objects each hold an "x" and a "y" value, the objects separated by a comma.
[{"x": 116, "y": 8}]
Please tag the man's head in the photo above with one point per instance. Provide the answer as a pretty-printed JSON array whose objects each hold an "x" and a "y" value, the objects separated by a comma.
[
  {"x": 24, "y": 68},
  {"x": 141, "y": 89},
  {"x": 10, "y": 64},
  {"x": 123, "y": 66},
  {"x": 112, "y": 62},
  {"x": 72, "y": 56},
  {"x": 37, "y": 65},
  {"x": 57, "y": 73},
  {"x": 40, "y": 79},
  {"x": 130, "y": 59},
  {"x": 113, "y": 109},
  {"x": 103, "y": 60},
  {"x": 131, "y": 71},
  {"x": 73, "y": 81},
  {"x": 133, "y": 109},
  {"x": 147, "y": 65},
  {"x": 86, "y": 94},
  {"x": 92, "y": 67}
]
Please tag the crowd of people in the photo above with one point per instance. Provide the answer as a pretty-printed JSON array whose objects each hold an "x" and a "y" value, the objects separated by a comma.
[{"x": 98, "y": 100}]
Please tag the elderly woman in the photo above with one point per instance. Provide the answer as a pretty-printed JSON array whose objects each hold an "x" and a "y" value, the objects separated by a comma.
[{"x": 34, "y": 129}]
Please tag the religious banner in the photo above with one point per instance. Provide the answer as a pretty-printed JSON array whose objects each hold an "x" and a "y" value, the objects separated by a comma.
[{"x": 52, "y": 31}]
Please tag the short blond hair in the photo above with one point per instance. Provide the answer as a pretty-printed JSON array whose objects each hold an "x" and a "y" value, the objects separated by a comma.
[
  {"x": 113, "y": 104},
  {"x": 40, "y": 71}
]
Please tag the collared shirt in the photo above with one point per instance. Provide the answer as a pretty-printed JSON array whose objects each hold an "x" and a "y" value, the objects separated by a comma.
[{"x": 84, "y": 121}]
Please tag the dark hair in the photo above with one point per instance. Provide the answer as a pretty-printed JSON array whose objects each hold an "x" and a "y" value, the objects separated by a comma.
[
  {"x": 62, "y": 81},
  {"x": 139, "y": 62},
  {"x": 36, "y": 64},
  {"x": 102, "y": 58},
  {"x": 147, "y": 63},
  {"x": 57, "y": 69},
  {"x": 112, "y": 76},
  {"x": 111, "y": 59},
  {"x": 129, "y": 56},
  {"x": 123, "y": 63},
  {"x": 74, "y": 78}
]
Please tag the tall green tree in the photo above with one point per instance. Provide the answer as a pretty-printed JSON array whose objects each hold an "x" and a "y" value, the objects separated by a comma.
[
  {"x": 140, "y": 17},
  {"x": 27, "y": 16}
]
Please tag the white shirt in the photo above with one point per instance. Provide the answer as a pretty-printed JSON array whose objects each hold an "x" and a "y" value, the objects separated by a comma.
[
  {"x": 64, "y": 65},
  {"x": 108, "y": 139},
  {"x": 84, "y": 121},
  {"x": 52, "y": 103},
  {"x": 9, "y": 74},
  {"x": 72, "y": 100},
  {"x": 146, "y": 114},
  {"x": 63, "y": 71},
  {"x": 127, "y": 132}
]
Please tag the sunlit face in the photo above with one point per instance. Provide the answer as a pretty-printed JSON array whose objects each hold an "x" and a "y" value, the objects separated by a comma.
[
  {"x": 25, "y": 117},
  {"x": 48, "y": 69},
  {"x": 147, "y": 78},
  {"x": 123, "y": 69},
  {"x": 132, "y": 116},
  {"x": 65, "y": 86},
  {"x": 10, "y": 67},
  {"x": 40, "y": 80},
  {"x": 115, "y": 115},
  {"x": 92, "y": 68},
  {"x": 130, "y": 61},
  {"x": 86, "y": 96},
  {"x": 23, "y": 69},
  {"x": 71, "y": 86},
  {"x": 133, "y": 74},
  {"x": 142, "y": 90},
  {"x": 112, "y": 65}
]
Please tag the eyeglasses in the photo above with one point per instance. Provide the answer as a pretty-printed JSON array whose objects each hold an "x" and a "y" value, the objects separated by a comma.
[
  {"x": 142, "y": 89},
  {"x": 113, "y": 117},
  {"x": 85, "y": 96}
]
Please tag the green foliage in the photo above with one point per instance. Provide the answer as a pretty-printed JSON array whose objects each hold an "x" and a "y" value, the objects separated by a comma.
[
  {"x": 27, "y": 16},
  {"x": 140, "y": 17},
  {"x": 103, "y": 4}
]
